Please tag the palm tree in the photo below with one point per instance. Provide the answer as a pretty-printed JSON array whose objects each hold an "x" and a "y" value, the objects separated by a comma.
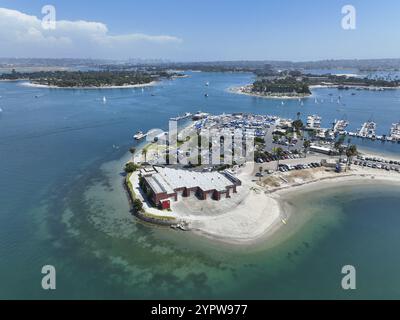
[
  {"x": 144, "y": 153},
  {"x": 289, "y": 139},
  {"x": 350, "y": 153},
  {"x": 278, "y": 152},
  {"x": 306, "y": 145},
  {"x": 338, "y": 146}
]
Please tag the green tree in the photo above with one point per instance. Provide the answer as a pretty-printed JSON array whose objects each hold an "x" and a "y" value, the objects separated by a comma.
[
  {"x": 259, "y": 140},
  {"x": 144, "y": 154},
  {"x": 351, "y": 152},
  {"x": 306, "y": 146},
  {"x": 137, "y": 205},
  {"x": 131, "y": 167},
  {"x": 297, "y": 125},
  {"x": 277, "y": 152}
]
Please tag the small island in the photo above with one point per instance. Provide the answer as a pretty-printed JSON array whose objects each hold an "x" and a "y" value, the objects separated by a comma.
[
  {"x": 89, "y": 79},
  {"x": 294, "y": 84}
]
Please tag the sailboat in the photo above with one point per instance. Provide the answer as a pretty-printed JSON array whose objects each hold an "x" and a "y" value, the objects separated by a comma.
[
  {"x": 104, "y": 99},
  {"x": 207, "y": 84}
]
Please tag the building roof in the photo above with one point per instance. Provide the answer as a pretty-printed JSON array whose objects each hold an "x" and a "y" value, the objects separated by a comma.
[
  {"x": 158, "y": 185},
  {"x": 167, "y": 180}
]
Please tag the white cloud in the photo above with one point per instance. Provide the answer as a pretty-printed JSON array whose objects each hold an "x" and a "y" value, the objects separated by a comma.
[{"x": 22, "y": 35}]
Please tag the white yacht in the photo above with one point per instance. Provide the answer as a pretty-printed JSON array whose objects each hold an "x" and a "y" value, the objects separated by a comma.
[{"x": 139, "y": 135}]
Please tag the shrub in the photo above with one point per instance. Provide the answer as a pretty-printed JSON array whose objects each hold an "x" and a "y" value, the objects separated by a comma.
[
  {"x": 131, "y": 167},
  {"x": 137, "y": 205}
]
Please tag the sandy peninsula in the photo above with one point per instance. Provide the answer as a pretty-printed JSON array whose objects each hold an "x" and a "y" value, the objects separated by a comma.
[
  {"x": 260, "y": 209},
  {"x": 43, "y": 86}
]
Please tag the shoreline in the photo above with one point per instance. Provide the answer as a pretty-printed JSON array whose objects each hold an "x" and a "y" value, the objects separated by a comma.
[
  {"x": 345, "y": 87},
  {"x": 239, "y": 90},
  {"x": 43, "y": 86},
  {"x": 285, "y": 209}
]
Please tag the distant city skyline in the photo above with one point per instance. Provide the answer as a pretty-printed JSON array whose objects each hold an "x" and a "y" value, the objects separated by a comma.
[{"x": 206, "y": 30}]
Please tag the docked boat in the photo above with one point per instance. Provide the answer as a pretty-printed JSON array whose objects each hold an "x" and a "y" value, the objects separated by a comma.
[
  {"x": 139, "y": 135},
  {"x": 185, "y": 116},
  {"x": 395, "y": 132},
  {"x": 199, "y": 115},
  {"x": 314, "y": 122},
  {"x": 340, "y": 126}
]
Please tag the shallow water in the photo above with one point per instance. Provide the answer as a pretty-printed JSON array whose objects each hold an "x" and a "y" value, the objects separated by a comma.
[{"x": 62, "y": 203}]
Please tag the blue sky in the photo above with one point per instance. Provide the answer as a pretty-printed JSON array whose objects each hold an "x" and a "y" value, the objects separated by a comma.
[{"x": 189, "y": 30}]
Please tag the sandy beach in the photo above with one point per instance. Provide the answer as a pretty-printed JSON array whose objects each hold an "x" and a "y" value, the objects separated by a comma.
[
  {"x": 35, "y": 85},
  {"x": 263, "y": 211}
]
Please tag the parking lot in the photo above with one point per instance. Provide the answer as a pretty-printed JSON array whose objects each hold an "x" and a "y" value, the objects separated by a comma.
[{"x": 377, "y": 163}]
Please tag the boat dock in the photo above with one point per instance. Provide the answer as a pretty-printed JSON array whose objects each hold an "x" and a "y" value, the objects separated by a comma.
[
  {"x": 368, "y": 130},
  {"x": 394, "y": 132},
  {"x": 340, "y": 126},
  {"x": 314, "y": 122}
]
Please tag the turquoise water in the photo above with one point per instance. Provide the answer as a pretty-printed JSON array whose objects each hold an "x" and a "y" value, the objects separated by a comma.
[{"x": 62, "y": 203}]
